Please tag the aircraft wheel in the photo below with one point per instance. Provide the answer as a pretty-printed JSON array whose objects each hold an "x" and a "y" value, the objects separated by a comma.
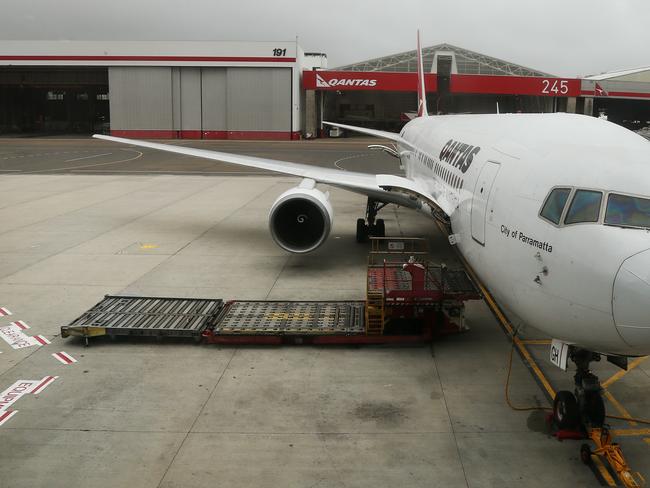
[
  {"x": 594, "y": 408},
  {"x": 362, "y": 231},
  {"x": 380, "y": 228},
  {"x": 565, "y": 410},
  {"x": 585, "y": 454}
]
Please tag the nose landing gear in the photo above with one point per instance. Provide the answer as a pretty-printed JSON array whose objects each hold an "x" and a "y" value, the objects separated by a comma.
[
  {"x": 581, "y": 415},
  {"x": 584, "y": 408},
  {"x": 371, "y": 225}
]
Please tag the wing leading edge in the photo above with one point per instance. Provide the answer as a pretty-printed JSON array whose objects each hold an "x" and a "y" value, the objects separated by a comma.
[{"x": 385, "y": 188}]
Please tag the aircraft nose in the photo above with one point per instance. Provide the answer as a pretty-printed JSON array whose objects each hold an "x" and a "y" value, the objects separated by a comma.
[{"x": 631, "y": 301}]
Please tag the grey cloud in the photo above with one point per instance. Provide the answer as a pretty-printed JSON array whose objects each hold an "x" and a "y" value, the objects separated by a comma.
[{"x": 565, "y": 38}]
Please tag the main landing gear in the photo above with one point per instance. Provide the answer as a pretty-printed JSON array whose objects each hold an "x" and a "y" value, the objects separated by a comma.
[
  {"x": 371, "y": 226},
  {"x": 584, "y": 408}
]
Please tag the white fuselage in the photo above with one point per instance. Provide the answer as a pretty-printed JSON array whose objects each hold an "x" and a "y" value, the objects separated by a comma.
[{"x": 561, "y": 279}]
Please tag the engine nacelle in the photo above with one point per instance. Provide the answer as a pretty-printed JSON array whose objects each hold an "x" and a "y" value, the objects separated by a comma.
[{"x": 301, "y": 218}]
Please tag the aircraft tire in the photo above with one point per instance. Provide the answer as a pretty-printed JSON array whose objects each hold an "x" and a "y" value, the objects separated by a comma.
[
  {"x": 380, "y": 228},
  {"x": 362, "y": 231},
  {"x": 565, "y": 410},
  {"x": 594, "y": 408},
  {"x": 585, "y": 454}
]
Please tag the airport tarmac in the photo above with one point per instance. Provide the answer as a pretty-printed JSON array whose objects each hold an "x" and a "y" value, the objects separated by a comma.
[{"x": 179, "y": 414}]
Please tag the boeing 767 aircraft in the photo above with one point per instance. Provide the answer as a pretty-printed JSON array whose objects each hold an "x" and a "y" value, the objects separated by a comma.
[{"x": 552, "y": 212}]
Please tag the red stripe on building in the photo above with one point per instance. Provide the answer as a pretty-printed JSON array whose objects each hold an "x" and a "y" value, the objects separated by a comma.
[
  {"x": 43, "y": 384},
  {"x": 515, "y": 85},
  {"x": 4, "y": 312},
  {"x": 20, "y": 324},
  {"x": 215, "y": 59},
  {"x": 206, "y": 134},
  {"x": 366, "y": 80}
]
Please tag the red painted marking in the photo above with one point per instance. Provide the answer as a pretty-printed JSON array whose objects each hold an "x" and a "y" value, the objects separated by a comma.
[
  {"x": 214, "y": 59},
  {"x": 41, "y": 339},
  {"x": 514, "y": 85},
  {"x": 376, "y": 81},
  {"x": 260, "y": 135},
  {"x": 206, "y": 134},
  {"x": 7, "y": 415},
  {"x": 20, "y": 324},
  {"x": 189, "y": 134},
  {"x": 64, "y": 357},
  {"x": 144, "y": 134},
  {"x": 4, "y": 312},
  {"x": 215, "y": 134},
  {"x": 43, "y": 384}
]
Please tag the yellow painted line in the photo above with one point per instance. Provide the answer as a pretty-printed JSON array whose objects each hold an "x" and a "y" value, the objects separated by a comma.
[
  {"x": 603, "y": 470},
  {"x": 536, "y": 342},
  {"x": 621, "y": 409},
  {"x": 506, "y": 325},
  {"x": 148, "y": 246},
  {"x": 629, "y": 432},
  {"x": 617, "y": 376}
]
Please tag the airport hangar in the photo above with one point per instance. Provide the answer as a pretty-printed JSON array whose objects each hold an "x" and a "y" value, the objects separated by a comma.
[
  {"x": 274, "y": 90},
  {"x": 185, "y": 89}
]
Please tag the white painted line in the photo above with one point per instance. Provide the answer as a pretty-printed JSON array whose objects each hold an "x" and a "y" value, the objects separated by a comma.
[
  {"x": 45, "y": 382},
  {"x": 49, "y": 170},
  {"x": 40, "y": 339},
  {"x": 346, "y": 158},
  {"x": 4, "y": 312},
  {"x": 87, "y": 157},
  {"x": 7, "y": 415},
  {"x": 64, "y": 357},
  {"x": 20, "y": 324}
]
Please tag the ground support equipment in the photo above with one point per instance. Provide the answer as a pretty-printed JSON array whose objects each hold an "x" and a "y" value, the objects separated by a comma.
[
  {"x": 613, "y": 454},
  {"x": 145, "y": 316},
  {"x": 405, "y": 290}
]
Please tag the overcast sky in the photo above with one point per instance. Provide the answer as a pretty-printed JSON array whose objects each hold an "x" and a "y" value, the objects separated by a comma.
[{"x": 563, "y": 37}]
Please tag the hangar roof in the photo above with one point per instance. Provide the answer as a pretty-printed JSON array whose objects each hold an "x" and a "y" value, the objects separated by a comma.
[
  {"x": 635, "y": 74},
  {"x": 464, "y": 61},
  {"x": 147, "y": 53}
]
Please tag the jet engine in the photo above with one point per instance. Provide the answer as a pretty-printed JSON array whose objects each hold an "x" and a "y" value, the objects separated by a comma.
[{"x": 301, "y": 218}]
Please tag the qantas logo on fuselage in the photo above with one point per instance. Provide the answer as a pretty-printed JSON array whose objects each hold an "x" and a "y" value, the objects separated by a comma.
[
  {"x": 459, "y": 154},
  {"x": 322, "y": 83}
]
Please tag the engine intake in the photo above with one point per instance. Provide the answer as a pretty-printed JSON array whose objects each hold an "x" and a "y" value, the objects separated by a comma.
[{"x": 301, "y": 218}]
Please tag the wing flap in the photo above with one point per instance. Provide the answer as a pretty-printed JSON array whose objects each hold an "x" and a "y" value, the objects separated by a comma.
[{"x": 392, "y": 183}]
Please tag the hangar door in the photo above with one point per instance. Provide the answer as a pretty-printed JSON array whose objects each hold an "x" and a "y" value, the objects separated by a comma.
[
  {"x": 259, "y": 99},
  {"x": 201, "y": 102},
  {"x": 240, "y": 101}
]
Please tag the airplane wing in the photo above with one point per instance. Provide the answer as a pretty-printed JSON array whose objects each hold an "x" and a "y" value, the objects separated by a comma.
[
  {"x": 363, "y": 183},
  {"x": 392, "y": 136}
]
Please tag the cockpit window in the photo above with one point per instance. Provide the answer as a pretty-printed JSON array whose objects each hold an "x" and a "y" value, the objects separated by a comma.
[
  {"x": 585, "y": 207},
  {"x": 554, "y": 206},
  {"x": 627, "y": 211}
]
